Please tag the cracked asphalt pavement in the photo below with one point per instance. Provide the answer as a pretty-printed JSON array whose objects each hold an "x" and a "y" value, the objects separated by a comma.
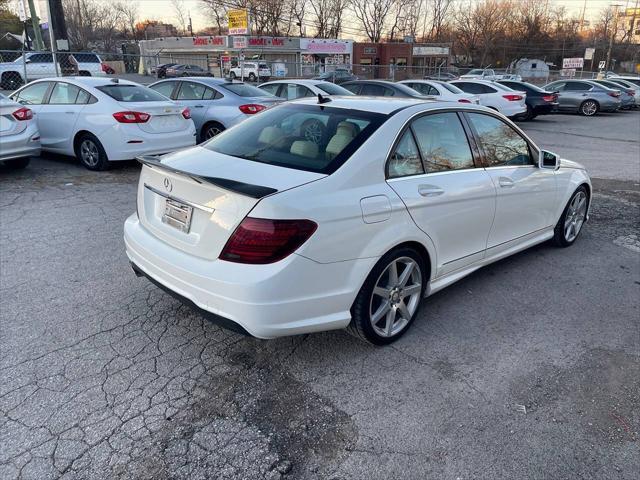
[{"x": 529, "y": 368}]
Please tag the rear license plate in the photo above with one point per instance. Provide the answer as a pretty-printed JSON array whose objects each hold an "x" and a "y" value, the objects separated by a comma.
[
  {"x": 166, "y": 121},
  {"x": 177, "y": 215}
]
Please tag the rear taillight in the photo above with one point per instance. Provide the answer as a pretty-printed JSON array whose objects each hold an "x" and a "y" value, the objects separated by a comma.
[
  {"x": 512, "y": 98},
  {"x": 23, "y": 114},
  {"x": 251, "y": 108},
  {"x": 613, "y": 94},
  {"x": 186, "y": 113},
  {"x": 261, "y": 240},
  {"x": 549, "y": 98},
  {"x": 464, "y": 100},
  {"x": 631, "y": 93},
  {"x": 131, "y": 117}
]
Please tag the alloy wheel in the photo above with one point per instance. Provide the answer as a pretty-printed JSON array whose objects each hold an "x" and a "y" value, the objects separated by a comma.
[
  {"x": 576, "y": 214},
  {"x": 313, "y": 132},
  {"x": 89, "y": 153},
  {"x": 211, "y": 132},
  {"x": 395, "y": 297},
  {"x": 589, "y": 108}
]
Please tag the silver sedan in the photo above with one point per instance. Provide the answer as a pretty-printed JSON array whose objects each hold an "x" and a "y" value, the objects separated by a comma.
[{"x": 18, "y": 134}]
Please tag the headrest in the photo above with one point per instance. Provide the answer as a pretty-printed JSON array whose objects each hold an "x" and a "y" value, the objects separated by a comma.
[
  {"x": 304, "y": 148},
  {"x": 270, "y": 135},
  {"x": 347, "y": 128}
]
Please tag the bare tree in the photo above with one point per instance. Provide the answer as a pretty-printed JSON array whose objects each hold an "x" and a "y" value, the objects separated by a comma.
[
  {"x": 441, "y": 12},
  {"x": 180, "y": 14},
  {"x": 91, "y": 24},
  {"x": 217, "y": 11},
  {"x": 328, "y": 16},
  {"x": 129, "y": 14},
  {"x": 372, "y": 15}
]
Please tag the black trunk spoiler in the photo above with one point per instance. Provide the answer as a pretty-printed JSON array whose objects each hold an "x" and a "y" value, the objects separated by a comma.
[{"x": 247, "y": 189}]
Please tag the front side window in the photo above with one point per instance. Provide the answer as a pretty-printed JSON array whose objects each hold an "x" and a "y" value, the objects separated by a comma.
[
  {"x": 578, "y": 86},
  {"x": 164, "y": 88},
  {"x": 442, "y": 142},
  {"x": 405, "y": 159},
  {"x": 297, "y": 91},
  {"x": 272, "y": 89},
  {"x": 64, "y": 94},
  {"x": 281, "y": 136},
  {"x": 33, "y": 94},
  {"x": 373, "y": 90},
  {"x": 191, "y": 91},
  {"x": 131, "y": 93},
  {"x": 354, "y": 88},
  {"x": 470, "y": 87},
  {"x": 501, "y": 144}
]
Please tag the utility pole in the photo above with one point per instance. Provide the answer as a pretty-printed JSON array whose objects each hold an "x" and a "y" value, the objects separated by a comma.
[
  {"x": 613, "y": 35},
  {"x": 38, "y": 44},
  {"x": 52, "y": 40}
]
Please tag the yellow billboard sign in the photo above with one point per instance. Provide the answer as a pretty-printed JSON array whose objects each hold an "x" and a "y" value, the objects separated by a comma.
[{"x": 238, "y": 22}]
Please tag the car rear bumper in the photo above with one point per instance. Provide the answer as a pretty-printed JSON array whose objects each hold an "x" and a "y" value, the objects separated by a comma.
[
  {"x": 293, "y": 296},
  {"x": 545, "y": 108},
  {"x": 24, "y": 144},
  {"x": 125, "y": 142}
]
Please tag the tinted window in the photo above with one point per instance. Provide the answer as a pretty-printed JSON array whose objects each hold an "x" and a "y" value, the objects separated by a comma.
[
  {"x": 405, "y": 159},
  {"x": 244, "y": 90},
  {"x": 443, "y": 143},
  {"x": 41, "y": 58},
  {"x": 333, "y": 89},
  {"x": 64, "y": 94},
  {"x": 373, "y": 90},
  {"x": 556, "y": 87},
  {"x": 131, "y": 93},
  {"x": 272, "y": 89},
  {"x": 452, "y": 88},
  {"x": 501, "y": 144},
  {"x": 191, "y": 91},
  {"x": 86, "y": 58},
  {"x": 475, "y": 88},
  {"x": 354, "y": 88},
  {"x": 578, "y": 86},
  {"x": 279, "y": 136},
  {"x": 487, "y": 89},
  {"x": 423, "y": 88},
  {"x": 33, "y": 94},
  {"x": 164, "y": 88}
]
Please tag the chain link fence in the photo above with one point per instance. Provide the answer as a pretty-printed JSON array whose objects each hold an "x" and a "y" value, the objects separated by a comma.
[{"x": 19, "y": 67}]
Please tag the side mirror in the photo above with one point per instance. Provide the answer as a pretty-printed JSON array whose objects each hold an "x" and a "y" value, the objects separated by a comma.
[
  {"x": 27, "y": 60},
  {"x": 549, "y": 160}
]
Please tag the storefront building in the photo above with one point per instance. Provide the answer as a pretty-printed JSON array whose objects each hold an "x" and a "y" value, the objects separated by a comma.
[{"x": 398, "y": 60}]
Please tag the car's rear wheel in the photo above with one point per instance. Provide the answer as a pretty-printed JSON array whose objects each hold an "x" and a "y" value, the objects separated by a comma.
[
  {"x": 232, "y": 75},
  {"x": 17, "y": 163},
  {"x": 390, "y": 297},
  {"x": 313, "y": 131},
  {"x": 572, "y": 219},
  {"x": 91, "y": 153},
  {"x": 210, "y": 130},
  {"x": 589, "y": 108},
  {"x": 252, "y": 77}
]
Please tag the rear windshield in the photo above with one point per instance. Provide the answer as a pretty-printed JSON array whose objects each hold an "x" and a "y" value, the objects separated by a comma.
[
  {"x": 244, "y": 90},
  {"x": 451, "y": 88},
  {"x": 333, "y": 89},
  {"x": 303, "y": 137},
  {"x": 131, "y": 93}
]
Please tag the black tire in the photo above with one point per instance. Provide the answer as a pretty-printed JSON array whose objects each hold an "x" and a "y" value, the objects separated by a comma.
[
  {"x": 252, "y": 77},
  {"x": 11, "y": 81},
  {"x": 232, "y": 75},
  {"x": 84, "y": 73},
  {"x": 210, "y": 130},
  {"x": 589, "y": 108},
  {"x": 17, "y": 163},
  {"x": 361, "y": 325},
  {"x": 313, "y": 131},
  {"x": 560, "y": 237},
  {"x": 91, "y": 153}
]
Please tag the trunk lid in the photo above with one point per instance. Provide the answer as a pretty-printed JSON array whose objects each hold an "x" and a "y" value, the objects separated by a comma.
[
  {"x": 166, "y": 117},
  {"x": 217, "y": 191}
]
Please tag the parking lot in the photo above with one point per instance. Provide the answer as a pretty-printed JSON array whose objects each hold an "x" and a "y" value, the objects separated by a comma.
[{"x": 529, "y": 368}]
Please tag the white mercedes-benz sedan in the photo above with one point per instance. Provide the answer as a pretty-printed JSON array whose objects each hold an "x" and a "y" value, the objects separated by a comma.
[
  {"x": 276, "y": 235},
  {"x": 103, "y": 120}
]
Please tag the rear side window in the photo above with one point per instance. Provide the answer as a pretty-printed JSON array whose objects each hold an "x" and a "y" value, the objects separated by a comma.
[
  {"x": 244, "y": 90},
  {"x": 131, "y": 93},
  {"x": 501, "y": 144},
  {"x": 272, "y": 89},
  {"x": 64, "y": 94},
  {"x": 297, "y": 91},
  {"x": 375, "y": 90},
  {"x": 475, "y": 88},
  {"x": 165, "y": 88},
  {"x": 424, "y": 88},
  {"x": 33, "y": 94},
  {"x": 354, "y": 88},
  {"x": 578, "y": 86},
  {"x": 333, "y": 89},
  {"x": 315, "y": 138},
  {"x": 442, "y": 142},
  {"x": 405, "y": 160}
]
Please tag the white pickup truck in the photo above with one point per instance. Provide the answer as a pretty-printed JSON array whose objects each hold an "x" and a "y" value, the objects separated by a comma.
[
  {"x": 489, "y": 74},
  {"x": 40, "y": 65},
  {"x": 253, "y": 71}
]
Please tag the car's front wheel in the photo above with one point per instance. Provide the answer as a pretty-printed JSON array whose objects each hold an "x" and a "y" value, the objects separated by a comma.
[
  {"x": 589, "y": 108},
  {"x": 210, "y": 130},
  {"x": 572, "y": 219},
  {"x": 390, "y": 297},
  {"x": 91, "y": 153}
]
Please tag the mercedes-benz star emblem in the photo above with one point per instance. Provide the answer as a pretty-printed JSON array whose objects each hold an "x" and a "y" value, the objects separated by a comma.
[{"x": 167, "y": 185}]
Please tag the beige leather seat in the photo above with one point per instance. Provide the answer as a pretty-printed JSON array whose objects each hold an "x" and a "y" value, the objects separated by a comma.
[
  {"x": 304, "y": 148},
  {"x": 345, "y": 132},
  {"x": 270, "y": 135}
]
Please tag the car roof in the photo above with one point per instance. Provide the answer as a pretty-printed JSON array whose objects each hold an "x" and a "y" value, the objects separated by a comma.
[
  {"x": 384, "y": 105},
  {"x": 88, "y": 81},
  {"x": 298, "y": 81},
  {"x": 211, "y": 81}
]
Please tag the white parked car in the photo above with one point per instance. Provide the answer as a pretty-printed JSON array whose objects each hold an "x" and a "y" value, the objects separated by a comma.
[
  {"x": 101, "y": 121},
  {"x": 37, "y": 65},
  {"x": 252, "y": 71},
  {"x": 510, "y": 103},
  {"x": 277, "y": 235},
  {"x": 299, "y": 88},
  {"x": 19, "y": 137},
  {"x": 442, "y": 91}
]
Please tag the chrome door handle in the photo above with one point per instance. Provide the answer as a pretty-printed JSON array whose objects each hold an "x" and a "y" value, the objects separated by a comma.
[
  {"x": 506, "y": 182},
  {"x": 198, "y": 106},
  {"x": 70, "y": 113},
  {"x": 430, "y": 190}
]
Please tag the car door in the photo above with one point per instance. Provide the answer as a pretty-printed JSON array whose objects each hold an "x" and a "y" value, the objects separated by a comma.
[
  {"x": 58, "y": 117},
  {"x": 526, "y": 194},
  {"x": 192, "y": 95},
  {"x": 33, "y": 96},
  {"x": 40, "y": 65},
  {"x": 274, "y": 88},
  {"x": 575, "y": 93},
  {"x": 448, "y": 194},
  {"x": 168, "y": 88}
]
